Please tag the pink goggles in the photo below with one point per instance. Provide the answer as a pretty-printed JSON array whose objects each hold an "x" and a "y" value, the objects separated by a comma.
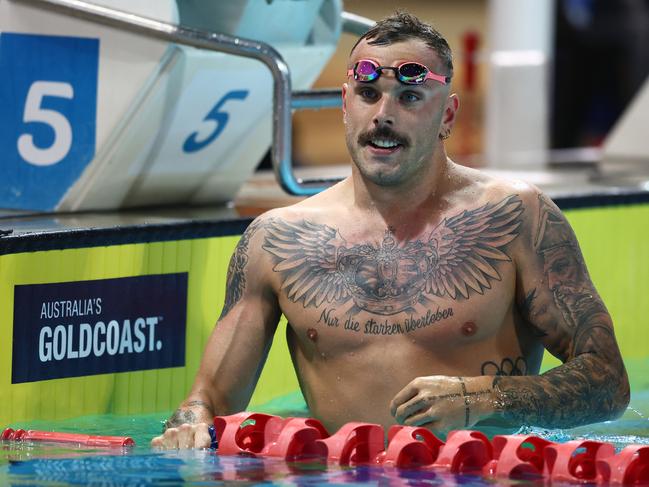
[{"x": 410, "y": 72}]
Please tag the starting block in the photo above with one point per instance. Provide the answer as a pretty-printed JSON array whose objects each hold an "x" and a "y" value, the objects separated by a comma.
[{"x": 99, "y": 118}]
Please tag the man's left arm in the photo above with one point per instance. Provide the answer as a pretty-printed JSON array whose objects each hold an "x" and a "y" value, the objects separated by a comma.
[{"x": 557, "y": 298}]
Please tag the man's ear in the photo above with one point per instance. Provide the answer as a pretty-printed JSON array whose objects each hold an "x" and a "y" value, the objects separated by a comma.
[
  {"x": 450, "y": 112},
  {"x": 344, "y": 95}
]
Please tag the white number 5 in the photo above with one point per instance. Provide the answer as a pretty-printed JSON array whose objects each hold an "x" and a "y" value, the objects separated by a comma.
[{"x": 35, "y": 113}]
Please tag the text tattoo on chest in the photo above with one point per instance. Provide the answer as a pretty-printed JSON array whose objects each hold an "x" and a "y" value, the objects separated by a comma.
[{"x": 319, "y": 267}]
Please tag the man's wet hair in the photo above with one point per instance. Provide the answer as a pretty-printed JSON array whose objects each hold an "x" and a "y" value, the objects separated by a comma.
[{"x": 403, "y": 26}]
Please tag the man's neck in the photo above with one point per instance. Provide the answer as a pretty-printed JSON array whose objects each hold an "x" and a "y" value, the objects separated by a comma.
[{"x": 397, "y": 204}]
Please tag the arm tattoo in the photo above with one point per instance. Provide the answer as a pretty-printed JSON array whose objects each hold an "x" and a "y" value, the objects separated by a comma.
[
  {"x": 236, "y": 279},
  {"x": 183, "y": 415},
  {"x": 466, "y": 396},
  {"x": 459, "y": 257},
  {"x": 591, "y": 385},
  {"x": 531, "y": 312}
]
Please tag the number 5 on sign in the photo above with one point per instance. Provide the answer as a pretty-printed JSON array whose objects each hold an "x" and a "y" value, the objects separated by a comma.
[
  {"x": 34, "y": 112},
  {"x": 220, "y": 119},
  {"x": 48, "y": 116}
]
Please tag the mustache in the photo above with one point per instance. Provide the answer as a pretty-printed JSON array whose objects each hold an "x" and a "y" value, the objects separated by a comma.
[{"x": 383, "y": 132}]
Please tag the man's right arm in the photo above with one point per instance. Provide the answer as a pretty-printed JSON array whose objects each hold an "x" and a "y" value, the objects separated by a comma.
[{"x": 236, "y": 350}]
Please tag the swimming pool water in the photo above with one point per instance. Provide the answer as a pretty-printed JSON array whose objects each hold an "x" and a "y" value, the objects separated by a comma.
[{"x": 50, "y": 464}]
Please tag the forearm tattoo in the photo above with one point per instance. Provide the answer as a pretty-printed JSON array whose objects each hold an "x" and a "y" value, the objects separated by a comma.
[
  {"x": 591, "y": 386},
  {"x": 184, "y": 415}
]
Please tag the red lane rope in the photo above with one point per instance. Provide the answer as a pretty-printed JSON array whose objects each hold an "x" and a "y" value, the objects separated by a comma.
[
  {"x": 10, "y": 434},
  {"x": 465, "y": 451}
]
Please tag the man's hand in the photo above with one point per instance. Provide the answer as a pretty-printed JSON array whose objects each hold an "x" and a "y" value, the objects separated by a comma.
[
  {"x": 184, "y": 436},
  {"x": 442, "y": 403},
  {"x": 187, "y": 427}
]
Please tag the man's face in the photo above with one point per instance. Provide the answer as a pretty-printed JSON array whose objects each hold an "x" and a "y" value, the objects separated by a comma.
[{"x": 392, "y": 129}]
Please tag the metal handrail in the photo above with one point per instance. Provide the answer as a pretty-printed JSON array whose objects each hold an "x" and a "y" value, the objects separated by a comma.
[
  {"x": 283, "y": 100},
  {"x": 356, "y": 24},
  {"x": 316, "y": 99}
]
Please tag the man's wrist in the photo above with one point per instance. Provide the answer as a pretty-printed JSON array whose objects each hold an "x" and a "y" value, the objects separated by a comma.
[
  {"x": 190, "y": 413},
  {"x": 479, "y": 398}
]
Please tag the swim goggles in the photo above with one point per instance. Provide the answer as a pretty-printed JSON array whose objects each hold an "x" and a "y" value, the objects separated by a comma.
[{"x": 410, "y": 72}]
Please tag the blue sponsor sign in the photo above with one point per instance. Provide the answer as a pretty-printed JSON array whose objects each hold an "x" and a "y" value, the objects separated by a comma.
[
  {"x": 74, "y": 329},
  {"x": 48, "y": 95}
]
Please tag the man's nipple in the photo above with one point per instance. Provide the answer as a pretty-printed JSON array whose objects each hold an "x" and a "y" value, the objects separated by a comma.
[
  {"x": 312, "y": 334},
  {"x": 468, "y": 329}
]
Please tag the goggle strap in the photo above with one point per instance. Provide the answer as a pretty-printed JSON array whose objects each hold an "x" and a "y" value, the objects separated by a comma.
[{"x": 437, "y": 77}]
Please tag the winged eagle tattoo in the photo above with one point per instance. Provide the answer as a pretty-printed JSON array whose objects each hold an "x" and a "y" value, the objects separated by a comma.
[{"x": 459, "y": 257}]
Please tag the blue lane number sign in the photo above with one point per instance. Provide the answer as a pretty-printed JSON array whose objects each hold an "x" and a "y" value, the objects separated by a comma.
[
  {"x": 48, "y": 95},
  {"x": 217, "y": 118},
  {"x": 34, "y": 112}
]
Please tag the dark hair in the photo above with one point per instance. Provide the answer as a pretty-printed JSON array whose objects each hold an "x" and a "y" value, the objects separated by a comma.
[{"x": 402, "y": 26}]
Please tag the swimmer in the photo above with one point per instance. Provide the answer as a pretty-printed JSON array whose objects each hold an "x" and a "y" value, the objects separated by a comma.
[{"x": 417, "y": 291}]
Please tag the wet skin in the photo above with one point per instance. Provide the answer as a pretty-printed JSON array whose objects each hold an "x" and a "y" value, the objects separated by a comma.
[{"x": 417, "y": 291}]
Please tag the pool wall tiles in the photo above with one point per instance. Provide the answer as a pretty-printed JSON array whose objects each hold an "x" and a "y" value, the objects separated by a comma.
[{"x": 614, "y": 240}]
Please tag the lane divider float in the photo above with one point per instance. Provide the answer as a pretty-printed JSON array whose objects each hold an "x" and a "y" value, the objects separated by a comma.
[
  {"x": 103, "y": 441},
  {"x": 465, "y": 451}
]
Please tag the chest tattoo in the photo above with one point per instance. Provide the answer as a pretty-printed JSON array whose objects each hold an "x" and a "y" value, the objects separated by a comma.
[{"x": 458, "y": 258}]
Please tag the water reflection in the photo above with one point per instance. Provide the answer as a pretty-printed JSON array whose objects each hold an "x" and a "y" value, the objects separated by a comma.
[
  {"x": 101, "y": 469},
  {"x": 136, "y": 467}
]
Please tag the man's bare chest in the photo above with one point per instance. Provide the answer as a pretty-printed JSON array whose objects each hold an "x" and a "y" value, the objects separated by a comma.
[{"x": 457, "y": 277}]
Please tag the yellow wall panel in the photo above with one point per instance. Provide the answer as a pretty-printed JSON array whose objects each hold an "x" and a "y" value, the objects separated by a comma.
[{"x": 614, "y": 241}]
